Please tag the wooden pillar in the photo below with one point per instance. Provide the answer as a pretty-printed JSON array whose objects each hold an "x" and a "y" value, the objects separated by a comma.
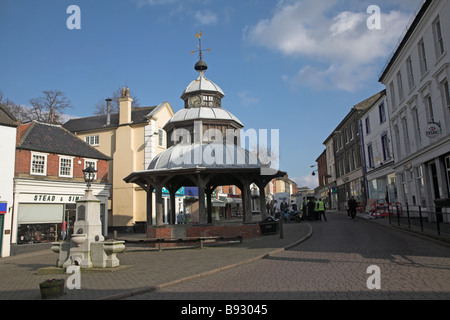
[
  {"x": 159, "y": 206},
  {"x": 172, "y": 218},
  {"x": 246, "y": 201},
  {"x": 149, "y": 205},
  {"x": 201, "y": 200},
  {"x": 209, "y": 205},
  {"x": 262, "y": 201}
]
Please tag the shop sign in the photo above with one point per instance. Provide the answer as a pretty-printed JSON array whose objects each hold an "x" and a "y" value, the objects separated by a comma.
[
  {"x": 50, "y": 198},
  {"x": 179, "y": 192},
  {"x": 3, "y": 207},
  {"x": 433, "y": 130}
]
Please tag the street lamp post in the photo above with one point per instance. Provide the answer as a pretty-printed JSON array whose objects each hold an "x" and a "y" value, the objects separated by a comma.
[{"x": 89, "y": 176}]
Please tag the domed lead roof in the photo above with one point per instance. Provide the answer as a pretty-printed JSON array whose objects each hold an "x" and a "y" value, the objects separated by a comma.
[
  {"x": 202, "y": 84},
  {"x": 182, "y": 156},
  {"x": 203, "y": 113}
]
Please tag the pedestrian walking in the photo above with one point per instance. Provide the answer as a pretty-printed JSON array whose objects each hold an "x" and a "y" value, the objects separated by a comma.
[
  {"x": 284, "y": 205},
  {"x": 304, "y": 209},
  {"x": 352, "y": 204},
  {"x": 311, "y": 206},
  {"x": 321, "y": 208},
  {"x": 276, "y": 209},
  {"x": 180, "y": 218},
  {"x": 316, "y": 210}
]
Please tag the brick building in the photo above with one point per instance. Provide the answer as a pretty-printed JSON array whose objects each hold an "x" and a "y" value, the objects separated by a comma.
[{"x": 48, "y": 179}]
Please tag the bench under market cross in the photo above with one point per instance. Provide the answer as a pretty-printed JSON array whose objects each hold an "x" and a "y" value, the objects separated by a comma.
[{"x": 201, "y": 240}]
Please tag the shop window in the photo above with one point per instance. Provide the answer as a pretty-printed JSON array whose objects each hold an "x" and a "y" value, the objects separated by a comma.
[
  {"x": 38, "y": 164},
  {"x": 421, "y": 185},
  {"x": 404, "y": 187}
]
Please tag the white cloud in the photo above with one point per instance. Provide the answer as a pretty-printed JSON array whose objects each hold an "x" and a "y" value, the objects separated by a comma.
[
  {"x": 246, "y": 99},
  {"x": 206, "y": 17},
  {"x": 309, "y": 181},
  {"x": 338, "y": 41},
  {"x": 141, "y": 3}
]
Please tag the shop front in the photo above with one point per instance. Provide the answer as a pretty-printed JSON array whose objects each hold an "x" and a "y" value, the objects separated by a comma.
[
  {"x": 348, "y": 188},
  {"x": 48, "y": 215}
]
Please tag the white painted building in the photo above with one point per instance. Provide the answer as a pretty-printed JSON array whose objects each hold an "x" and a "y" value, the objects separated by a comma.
[
  {"x": 331, "y": 172},
  {"x": 8, "y": 131},
  {"x": 378, "y": 153},
  {"x": 417, "y": 79}
]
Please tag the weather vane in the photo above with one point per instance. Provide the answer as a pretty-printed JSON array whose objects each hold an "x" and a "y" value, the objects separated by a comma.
[{"x": 199, "y": 48}]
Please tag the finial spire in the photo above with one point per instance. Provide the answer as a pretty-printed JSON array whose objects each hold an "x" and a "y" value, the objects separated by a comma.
[{"x": 200, "y": 65}]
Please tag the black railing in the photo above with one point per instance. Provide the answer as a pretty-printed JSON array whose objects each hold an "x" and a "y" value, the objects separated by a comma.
[{"x": 426, "y": 219}]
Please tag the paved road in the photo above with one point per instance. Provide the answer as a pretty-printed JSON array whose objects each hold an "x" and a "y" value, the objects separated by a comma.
[{"x": 332, "y": 264}]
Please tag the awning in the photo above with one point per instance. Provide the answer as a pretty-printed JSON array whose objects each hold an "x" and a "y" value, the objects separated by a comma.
[{"x": 217, "y": 203}]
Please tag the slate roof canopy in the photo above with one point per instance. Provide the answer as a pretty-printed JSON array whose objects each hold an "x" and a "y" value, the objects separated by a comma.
[
  {"x": 138, "y": 115},
  {"x": 52, "y": 138}
]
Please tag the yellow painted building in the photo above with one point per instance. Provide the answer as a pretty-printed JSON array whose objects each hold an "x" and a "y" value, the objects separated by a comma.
[{"x": 133, "y": 137}]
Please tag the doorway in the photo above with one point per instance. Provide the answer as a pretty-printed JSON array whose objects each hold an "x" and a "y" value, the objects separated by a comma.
[{"x": 437, "y": 193}]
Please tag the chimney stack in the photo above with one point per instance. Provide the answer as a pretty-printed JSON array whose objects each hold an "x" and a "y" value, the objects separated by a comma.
[
  {"x": 125, "y": 107},
  {"x": 108, "y": 111}
]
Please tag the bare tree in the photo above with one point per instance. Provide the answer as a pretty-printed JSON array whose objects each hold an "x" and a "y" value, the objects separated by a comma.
[
  {"x": 261, "y": 152},
  {"x": 19, "y": 112},
  {"x": 100, "y": 107},
  {"x": 49, "y": 107}
]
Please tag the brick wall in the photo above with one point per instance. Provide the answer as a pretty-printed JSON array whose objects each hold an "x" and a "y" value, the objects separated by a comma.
[
  {"x": 23, "y": 167},
  {"x": 245, "y": 230}
]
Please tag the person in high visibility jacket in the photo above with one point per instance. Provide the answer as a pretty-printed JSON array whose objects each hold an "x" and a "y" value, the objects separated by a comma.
[
  {"x": 320, "y": 205},
  {"x": 316, "y": 210}
]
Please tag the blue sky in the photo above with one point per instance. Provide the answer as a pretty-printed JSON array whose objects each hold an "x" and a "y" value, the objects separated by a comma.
[{"x": 294, "y": 65}]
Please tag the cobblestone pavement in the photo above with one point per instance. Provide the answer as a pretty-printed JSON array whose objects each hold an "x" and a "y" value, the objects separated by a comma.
[
  {"x": 141, "y": 269},
  {"x": 332, "y": 264}
]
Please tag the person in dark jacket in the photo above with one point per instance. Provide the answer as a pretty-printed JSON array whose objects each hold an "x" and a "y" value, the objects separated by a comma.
[
  {"x": 311, "y": 206},
  {"x": 352, "y": 204}
]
